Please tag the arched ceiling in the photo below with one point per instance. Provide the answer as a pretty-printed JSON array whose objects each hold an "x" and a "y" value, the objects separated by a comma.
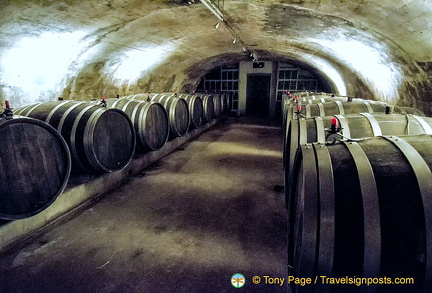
[{"x": 88, "y": 49}]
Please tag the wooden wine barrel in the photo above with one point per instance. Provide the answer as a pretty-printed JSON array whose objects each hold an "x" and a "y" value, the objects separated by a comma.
[
  {"x": 195, "y": 109},
  {"x": 208, "y": 106},
  {"x": 217, "y": 104},
  {"x": 100, "y": 140},
  {"x": 310, "y": 130},
  {"x": 177, "y": 109},
  {"x": 364, "y": 209},
  {"x": 225, "y": 98},
  {"x": 149, "y": 119},
  {"x": 35, "y": 164}
]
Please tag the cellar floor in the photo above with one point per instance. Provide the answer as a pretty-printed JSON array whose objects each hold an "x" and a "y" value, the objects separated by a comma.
[{"x": 188, "y": 223}]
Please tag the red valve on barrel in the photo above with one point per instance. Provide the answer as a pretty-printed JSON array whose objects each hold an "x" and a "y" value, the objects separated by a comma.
[
  {"x": 334, "y": 125},
  {"x": 8, "y": 111},
  {"x": 103, "y": 102}
]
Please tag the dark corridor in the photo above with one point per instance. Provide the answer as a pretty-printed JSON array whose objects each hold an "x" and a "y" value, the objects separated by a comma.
[{"x": 258, "y": 95}]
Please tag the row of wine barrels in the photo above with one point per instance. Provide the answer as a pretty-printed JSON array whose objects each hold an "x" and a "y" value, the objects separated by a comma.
[
  {"x": 289, "y": 100},
  {"x": 149, "y": 119},
  {"x": 363, "y": 209},
  {"x": 176, "y": 107},
  {"x": 332, "y": 105},
  {"x": 100, "y": 140},
  {"x": 334, "y": 108},
  {"x": 35, "y": 164},
  {"x": 352, "y": 126},
  {"x": 196, "y": 109}
]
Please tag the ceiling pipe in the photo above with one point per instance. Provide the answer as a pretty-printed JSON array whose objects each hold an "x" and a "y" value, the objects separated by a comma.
[{"x": 215, "y": 10}]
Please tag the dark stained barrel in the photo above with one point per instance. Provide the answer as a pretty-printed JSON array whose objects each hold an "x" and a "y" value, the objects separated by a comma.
[
  {"x": 208, "y": 106},
  {"x": 150, "y": 121},
  {"x": 364, "y": 209},
  {"x": 176, "y": 107},
  {"x": 196, "y": 110},
  {"x": 100, "y": 140},
  {"x": 35, "y": 165},
  {"x": 354, "y": 126}
]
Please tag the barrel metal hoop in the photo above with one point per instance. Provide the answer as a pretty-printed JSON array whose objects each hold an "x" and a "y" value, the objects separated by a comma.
[
  {"x": 341, "y": 108},
  {"x": 73, "y": 137},
  {"x": 326, "y": 239},
  {"x": 126, "y": 104},
  {"x": 22, "y": 111},
  {"x": 181, "y": 100},
  {"x": 65, "y": 114},
  {"x": 134, "y": 111},
  {"x": 320, "y": 129},
  {"x": 303, "y": 131},
  {"x": 172, "y": 120},
  {"x": 308, "y": 110},
  {"x": 345, "y": 126},
  {"x": 292, "y": 144},
  {"x": 305, "y": 248},
  {"x": 321, "y": 109},
  {"x": 426, "y": 127},
  {"x": 424, "y": 179},
  {"x": 168, "y": 103},
  {"x": 89, "y": 133},
  {"x": 167, "y": 129},
  {"x": 142, "y": 123},
  {"x": 32, "y": 109},
  {"x": 51, "y": 113},
  {"x": 115, "y": 103},
  {"x": 371, "y": 211},
  {"x": 376, "y": 129},
  {"x": 368, "y": 106}
]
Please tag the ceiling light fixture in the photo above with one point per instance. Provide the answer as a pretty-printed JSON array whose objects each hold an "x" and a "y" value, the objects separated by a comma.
[{"x": 220, "y": 15}]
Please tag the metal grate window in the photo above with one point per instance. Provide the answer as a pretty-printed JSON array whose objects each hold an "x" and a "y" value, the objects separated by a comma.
[
  {"x": 293, "y": 79},
  {"x": 223, "y": 79}
]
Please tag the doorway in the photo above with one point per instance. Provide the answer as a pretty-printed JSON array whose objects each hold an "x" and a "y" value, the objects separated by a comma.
[{"x": 258, "y": 94}]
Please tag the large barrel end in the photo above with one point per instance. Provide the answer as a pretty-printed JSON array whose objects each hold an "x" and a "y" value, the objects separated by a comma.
[{"x": 35, "y": 165}]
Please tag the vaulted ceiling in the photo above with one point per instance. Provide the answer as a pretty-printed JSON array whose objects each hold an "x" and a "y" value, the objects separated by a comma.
[{"x": 78, "y": 49}]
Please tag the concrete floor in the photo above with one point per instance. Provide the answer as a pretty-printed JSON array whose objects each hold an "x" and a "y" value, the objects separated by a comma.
[{"x": 186, "y": 224}]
